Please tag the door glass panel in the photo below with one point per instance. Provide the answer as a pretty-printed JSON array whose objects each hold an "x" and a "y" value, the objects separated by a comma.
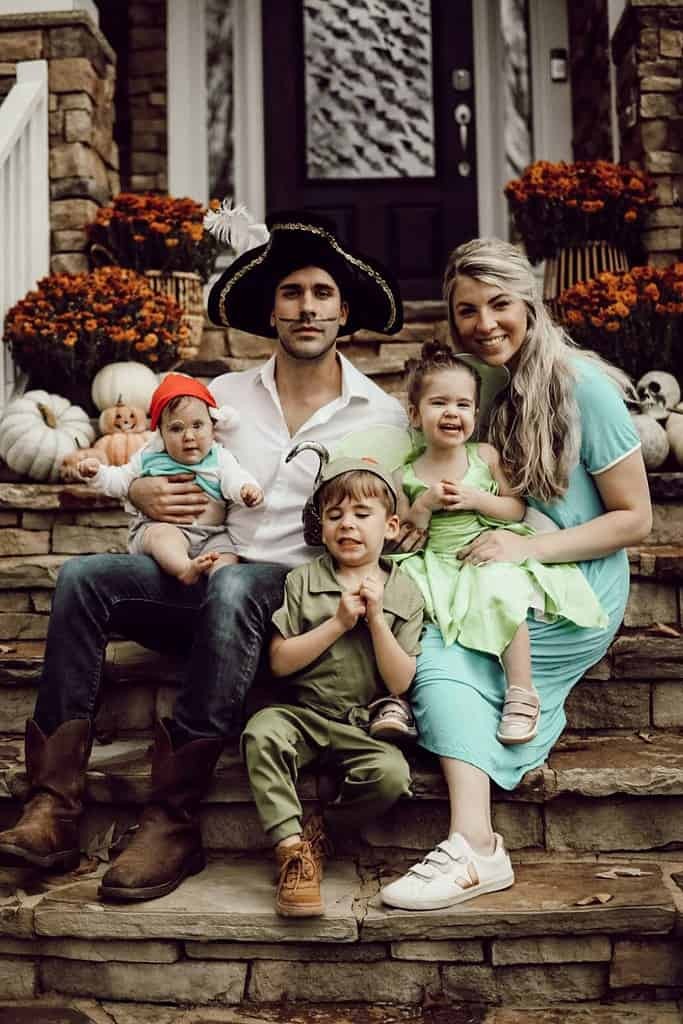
[
  {"x": 368, "y": 89},
  {"x": 514, "y": 21},
  {"x": 219, "y": 59}
]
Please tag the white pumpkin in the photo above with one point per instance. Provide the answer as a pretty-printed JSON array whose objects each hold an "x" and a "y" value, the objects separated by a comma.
[
  {"x": 131, "y": 383},
  {"x": 674, "y": 431},
  {"x": 653, "y": 438},
  {"x": 38, "y": 430}
]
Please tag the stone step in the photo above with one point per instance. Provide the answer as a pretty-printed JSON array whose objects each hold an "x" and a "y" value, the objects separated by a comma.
[
  {"x": 637, "y": 686},
  {"x": 561, "y": 934},
  {"x": 90, "y": 1012},
  {"x": 53, "y": 1010},
  {"x": 598, "y": 793}
]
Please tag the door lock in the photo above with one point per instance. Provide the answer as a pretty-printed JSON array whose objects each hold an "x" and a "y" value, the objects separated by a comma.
[{"x": 462, "y": 115}]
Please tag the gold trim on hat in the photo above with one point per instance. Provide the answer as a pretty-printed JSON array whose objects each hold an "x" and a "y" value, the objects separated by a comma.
[{"x": 314, "y": 230}]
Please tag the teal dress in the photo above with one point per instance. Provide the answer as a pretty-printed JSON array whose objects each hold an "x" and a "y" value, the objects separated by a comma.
[
  {"x": 458, "y": 692},
  {"x": 483, "y": 606}
]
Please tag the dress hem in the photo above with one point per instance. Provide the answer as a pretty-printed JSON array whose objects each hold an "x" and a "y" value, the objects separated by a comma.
[{"x": 471, "y": 758}]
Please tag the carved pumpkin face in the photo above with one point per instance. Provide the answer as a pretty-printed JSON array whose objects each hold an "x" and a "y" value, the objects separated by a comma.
[{"x": 123, "y": 419}]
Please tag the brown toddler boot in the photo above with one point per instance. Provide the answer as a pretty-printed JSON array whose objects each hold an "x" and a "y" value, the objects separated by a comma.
[
  {"x": 321, "y": 846},
  {"x": 298, "y": 887}
]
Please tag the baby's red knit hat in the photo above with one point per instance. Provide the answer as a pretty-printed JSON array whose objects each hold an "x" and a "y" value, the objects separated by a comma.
[{"x": 175, "y": 385}]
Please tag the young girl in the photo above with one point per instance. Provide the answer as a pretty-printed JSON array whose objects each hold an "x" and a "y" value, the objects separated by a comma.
[
  {"x": 182, "y": 409},
  {"x": 455, "y": 489}
]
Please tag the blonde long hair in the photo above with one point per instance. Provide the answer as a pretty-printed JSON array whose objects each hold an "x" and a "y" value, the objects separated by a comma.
[{"x": 535, "y": 423}]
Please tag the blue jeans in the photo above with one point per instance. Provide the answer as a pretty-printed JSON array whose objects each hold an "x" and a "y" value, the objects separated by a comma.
[{"x": 219, "y": 624}]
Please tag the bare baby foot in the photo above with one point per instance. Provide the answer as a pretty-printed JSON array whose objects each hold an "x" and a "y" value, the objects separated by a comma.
[{"x": 197, "y": 567}]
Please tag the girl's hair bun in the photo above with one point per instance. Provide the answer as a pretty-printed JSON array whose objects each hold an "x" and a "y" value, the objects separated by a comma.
[{"x": 434, "y": 355}]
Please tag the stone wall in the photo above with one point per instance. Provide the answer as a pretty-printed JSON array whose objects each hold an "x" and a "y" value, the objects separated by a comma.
[
  {"x": 83, "y": 155},
  {"x": 590, "y": 79},
  {"x": 147, "y": 153},
  {"x": 648, "y": 52}
]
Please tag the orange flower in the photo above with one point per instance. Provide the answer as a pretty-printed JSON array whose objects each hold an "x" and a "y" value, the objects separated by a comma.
[{"x": 630, "y": 216}]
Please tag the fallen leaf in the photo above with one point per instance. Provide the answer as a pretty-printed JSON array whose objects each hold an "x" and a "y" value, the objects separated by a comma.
[
  {"x": 4, "y": 649},
  {"x": 661, "y": 629},
  {"x": 623, "y": 873},
  {"x": 99, "y": 846},
  {"x": 598, "y": 897},
  {"x": 645, "y": 737}
]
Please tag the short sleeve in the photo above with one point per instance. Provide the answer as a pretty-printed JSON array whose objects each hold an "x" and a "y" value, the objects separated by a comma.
[
  {"x": 607, "y": 431},
  {"x": 287, "y": 619},
  {"x": 408, "y": 630}
]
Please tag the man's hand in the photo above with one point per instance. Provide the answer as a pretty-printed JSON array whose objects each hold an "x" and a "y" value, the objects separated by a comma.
[
  {"x": 251, "y": 495},
  {"x": 87, "y": 468},
  {"x": 169, "y": 499},
  {"x": 351, "y": 608},
  {"x": 410, "y": 538},
  {"x": 372, "y": 593}
]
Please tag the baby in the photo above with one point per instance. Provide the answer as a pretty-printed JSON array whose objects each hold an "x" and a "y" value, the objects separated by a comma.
[{"x": 183, "y": 410}]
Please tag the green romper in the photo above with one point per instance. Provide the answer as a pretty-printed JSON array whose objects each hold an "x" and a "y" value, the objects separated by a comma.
[
  {"x": 325, "y": 705},
  {"x": 482, "y": 606}
]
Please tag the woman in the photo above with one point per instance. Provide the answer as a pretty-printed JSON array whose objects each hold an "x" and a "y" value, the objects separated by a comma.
[{"x": 567, "y": 445}]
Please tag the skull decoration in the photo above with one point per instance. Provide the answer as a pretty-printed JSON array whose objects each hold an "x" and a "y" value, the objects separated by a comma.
[{"x": 658, "y": 392}]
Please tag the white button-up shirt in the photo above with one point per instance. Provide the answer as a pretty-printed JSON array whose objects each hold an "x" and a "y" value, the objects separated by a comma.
[{"x": 273, "y": 532}]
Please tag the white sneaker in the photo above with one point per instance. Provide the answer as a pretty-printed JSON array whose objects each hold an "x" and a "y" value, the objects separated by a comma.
[{"x": 450, "y": 874}]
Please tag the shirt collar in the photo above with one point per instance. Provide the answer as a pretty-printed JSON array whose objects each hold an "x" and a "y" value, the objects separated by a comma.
[
  {"x": 322, "y": 579},
  {"x": 354, "y": 383}
]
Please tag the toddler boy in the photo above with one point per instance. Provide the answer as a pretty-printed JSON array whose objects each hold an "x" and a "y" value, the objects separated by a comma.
[{"x": 347, "y": 632}]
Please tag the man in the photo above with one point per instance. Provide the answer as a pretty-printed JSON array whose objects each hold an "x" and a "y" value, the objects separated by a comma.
[{"x": 301, "y": 288}]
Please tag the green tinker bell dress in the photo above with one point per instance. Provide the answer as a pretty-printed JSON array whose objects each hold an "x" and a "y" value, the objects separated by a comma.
[{"x": 482, "y": 606}]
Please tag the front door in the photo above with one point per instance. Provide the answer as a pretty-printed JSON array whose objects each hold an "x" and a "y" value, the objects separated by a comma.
[{"x": 369, "y": 118}]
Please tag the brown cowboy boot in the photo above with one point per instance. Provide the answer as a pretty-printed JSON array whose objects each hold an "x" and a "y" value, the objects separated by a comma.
[
  {"x": 167, "y": 846},
  {"x": 298, "y": 888},
  {"x": 46, "y": 835}
]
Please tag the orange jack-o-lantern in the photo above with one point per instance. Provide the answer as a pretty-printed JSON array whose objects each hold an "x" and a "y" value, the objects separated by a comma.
[
  {"x": 124, "y": 432},
  {"x": 123, "y": 418}
]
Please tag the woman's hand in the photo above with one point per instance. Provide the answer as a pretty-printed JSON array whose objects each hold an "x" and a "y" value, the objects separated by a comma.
[
  {"x": 169, "y": 499},
  {"x": 496, "y": 546}
]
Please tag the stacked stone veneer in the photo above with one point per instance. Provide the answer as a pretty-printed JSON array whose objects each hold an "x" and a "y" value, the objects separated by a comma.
[
  {"x": 83, "y": 155},
  {"x": 146, "y": 159},
  {"x": 648, "y": 52}
]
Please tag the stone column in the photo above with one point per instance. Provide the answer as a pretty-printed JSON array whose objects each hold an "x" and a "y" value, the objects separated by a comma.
[
  {"x": 147, "y": 96},
  {"x": 83, "y": 155},
  {"x": 648, "y": 53}
]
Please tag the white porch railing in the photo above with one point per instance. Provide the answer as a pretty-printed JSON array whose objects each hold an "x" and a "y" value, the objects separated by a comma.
[{"x": 24, "y": 195}]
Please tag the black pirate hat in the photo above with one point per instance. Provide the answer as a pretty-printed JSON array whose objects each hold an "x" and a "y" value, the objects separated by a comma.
[{"x": 243, "y": 295}]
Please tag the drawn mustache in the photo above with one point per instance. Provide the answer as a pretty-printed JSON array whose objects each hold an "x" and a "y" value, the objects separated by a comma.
[
  {"x": 304, "y": 318},
  {"x": 307, "y": 320}
]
